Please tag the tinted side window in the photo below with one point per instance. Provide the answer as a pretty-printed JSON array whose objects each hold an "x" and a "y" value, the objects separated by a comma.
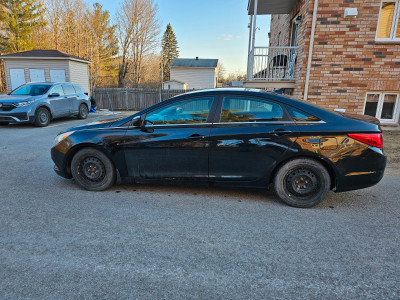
[
  {"x": 57, "y": 89},
  {"x": 240, "y": 109},
  {"x": 183, "y": 112},
  {"x": 68, "y": 89},
  {"x": 301, "y": 116}
]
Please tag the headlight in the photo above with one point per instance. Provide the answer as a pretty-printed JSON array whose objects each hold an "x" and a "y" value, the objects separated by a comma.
[
  {"x": 61, "y": 137},
  {"x": 25, "y": 103}
]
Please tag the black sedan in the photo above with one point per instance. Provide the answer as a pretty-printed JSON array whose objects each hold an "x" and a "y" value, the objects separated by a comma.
[{"x": 229, "y": 136}]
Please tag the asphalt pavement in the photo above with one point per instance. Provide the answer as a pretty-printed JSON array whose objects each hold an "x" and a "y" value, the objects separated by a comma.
[{"x": 58, "y": 241}]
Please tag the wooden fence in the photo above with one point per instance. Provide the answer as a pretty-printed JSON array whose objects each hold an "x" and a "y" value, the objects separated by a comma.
[{"x": 131, "y": 99}]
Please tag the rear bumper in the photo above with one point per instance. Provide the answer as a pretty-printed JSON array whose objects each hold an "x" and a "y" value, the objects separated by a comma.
[
  {"x": 19, "y": 117},
  {"x": 363, "y": 174}
]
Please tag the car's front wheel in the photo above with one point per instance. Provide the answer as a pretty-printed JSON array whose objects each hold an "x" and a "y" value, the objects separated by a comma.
[
  {"x": 302, "y": 183},
  {"x": 42, "y": 117},
  {"x": 93, "y": 170},
  {"x": 83, "y": 112}
]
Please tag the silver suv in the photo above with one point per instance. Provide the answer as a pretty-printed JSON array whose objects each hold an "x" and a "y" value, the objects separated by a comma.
[{"x": 38, "y": 103}]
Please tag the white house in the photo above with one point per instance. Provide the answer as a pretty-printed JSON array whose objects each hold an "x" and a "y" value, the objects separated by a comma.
[
  {"x": 175, "y": 85},
  {"x": 45, "y": 66},
  {"x": 196, "y": 73}
]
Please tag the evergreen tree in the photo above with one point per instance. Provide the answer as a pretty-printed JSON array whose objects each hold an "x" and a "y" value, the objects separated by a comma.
[
  {"x": 169, "y": 51},
  {"x": 19, "y": 21}
]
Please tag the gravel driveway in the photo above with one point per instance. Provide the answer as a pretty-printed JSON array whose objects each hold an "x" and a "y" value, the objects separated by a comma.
[{"x": 58, "y": 241}]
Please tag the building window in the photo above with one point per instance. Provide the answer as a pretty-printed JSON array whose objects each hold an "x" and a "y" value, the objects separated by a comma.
[
  {"x": 389, "y": 21},
  {"x": 384, "y": 106}
]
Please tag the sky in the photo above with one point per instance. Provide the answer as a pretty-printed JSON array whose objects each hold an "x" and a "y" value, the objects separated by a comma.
[{"x": 208, "y": 28}]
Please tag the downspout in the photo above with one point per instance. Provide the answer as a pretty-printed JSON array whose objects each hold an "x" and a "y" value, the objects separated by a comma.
[
  {"x": 248, "y": 52},
  {"x": 253, "y": 38},
  {"x": 310, "y": 50}
]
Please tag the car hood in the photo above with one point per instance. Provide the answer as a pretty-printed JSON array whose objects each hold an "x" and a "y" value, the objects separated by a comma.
[
  {"x": 17, "y": 98},
  {"x": 95, "y": 125}
]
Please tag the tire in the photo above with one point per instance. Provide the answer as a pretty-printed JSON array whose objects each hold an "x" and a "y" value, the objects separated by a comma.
[
  {"x": 83, "y": 112},
  {"x": 42, "y": 117},
  {"x": 93, "y": 170},
  {"x": 4, "y": 123},
  {"x": 302, "y": 183}
]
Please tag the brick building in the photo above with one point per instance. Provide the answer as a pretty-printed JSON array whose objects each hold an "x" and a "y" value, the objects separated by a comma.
[{"x": 339, "y": 54}]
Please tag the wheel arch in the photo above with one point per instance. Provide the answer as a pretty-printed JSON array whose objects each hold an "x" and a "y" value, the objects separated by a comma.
[
  {"x": 76, "y": 148},
  {"x": 46, "y": 106},
  {"x": 327, "y": 164}
]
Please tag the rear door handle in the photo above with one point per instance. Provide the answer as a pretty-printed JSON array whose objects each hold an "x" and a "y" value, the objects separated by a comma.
[
  {"x": 196, "y": 137},
  {"x": 281, "y": 132}
]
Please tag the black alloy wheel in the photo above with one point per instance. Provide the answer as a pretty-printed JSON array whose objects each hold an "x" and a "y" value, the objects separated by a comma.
[
  {"x": 93, "y": 170},
  {"x": 302, "y": 183}
]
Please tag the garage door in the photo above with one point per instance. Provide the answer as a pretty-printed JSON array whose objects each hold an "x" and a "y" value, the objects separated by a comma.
[
  {"x": 57, "y": 75},
  {"x": 17, "y": 78},
  {"x": 37, "y": 75}
]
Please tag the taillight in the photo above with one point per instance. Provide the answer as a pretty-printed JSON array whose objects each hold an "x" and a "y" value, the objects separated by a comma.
[
  {"x": 86, "y": 93},
  {"x": 371, "y": 139}
]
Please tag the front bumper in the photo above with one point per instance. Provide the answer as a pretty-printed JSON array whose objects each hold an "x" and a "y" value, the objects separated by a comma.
[
  {"x": 60, "y": 164},
  {"x": 19, "y": 117}
]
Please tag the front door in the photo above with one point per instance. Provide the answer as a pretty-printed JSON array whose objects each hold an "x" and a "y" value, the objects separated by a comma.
[
  {"x": 250, "y": 137},
  {"x": 173, "y": 141}
]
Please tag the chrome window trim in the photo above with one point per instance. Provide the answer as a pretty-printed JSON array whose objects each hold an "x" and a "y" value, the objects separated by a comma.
[
  {"x": 262, "y": 123},
  {"x": 310, "y": 122},
  {"x": 233, "y": 123}
]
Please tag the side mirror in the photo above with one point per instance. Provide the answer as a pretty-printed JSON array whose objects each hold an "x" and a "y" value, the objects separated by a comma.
[
  {"x": 136, "y": 121},
  {"x": 54, "y": 95}
]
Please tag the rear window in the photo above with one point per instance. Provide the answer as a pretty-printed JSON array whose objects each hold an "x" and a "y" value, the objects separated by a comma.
[
  {"x": 246, "y": 109},
  {"x": 68, "y": 89},
  {"x": 78, "y": 89},
  {"x": 301, "y": 116}
]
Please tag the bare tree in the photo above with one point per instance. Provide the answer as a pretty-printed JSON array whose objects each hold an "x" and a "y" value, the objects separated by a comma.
[{"x": 138, "y": 30}]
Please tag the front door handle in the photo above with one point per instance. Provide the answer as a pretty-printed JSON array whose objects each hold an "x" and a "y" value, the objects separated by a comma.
[
  {"x": 196, "y": 137},
  {"x": 281, "y": 132}
]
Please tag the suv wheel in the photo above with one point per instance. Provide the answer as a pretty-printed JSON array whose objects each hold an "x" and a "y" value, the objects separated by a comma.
[
  {"x": 92, "y": 170},
  {"x": 42, "y": 117},
  {"x": 83, "y": 111},
  {"x": 302, "y": 183}
]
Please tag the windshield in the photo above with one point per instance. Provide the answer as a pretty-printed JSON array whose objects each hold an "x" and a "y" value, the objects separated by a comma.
[{"x": 32, "y": 89}]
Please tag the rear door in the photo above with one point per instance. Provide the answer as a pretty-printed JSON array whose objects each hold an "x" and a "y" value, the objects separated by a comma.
[
  {"x": 71, "y": 99},
  {"x": 58, "y": 104},
  {"x": 250, "y": 135}
]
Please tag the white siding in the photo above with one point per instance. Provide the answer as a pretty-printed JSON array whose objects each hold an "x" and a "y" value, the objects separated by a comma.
[
  {"x": 172, "y": 85},
  {"x": 75, "y": 72},
  {"x": 26, "y": 64},
  {"x": 79, "y": 73},
  {"x": 196, "y": 78}
]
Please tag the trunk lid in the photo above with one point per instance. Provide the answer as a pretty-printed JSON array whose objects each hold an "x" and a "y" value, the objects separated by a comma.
[{"x": 357, "y": 117}]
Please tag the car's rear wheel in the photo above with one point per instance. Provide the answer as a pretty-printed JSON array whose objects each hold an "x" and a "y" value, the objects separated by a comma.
[
  {"x": 42, "y": 117},
  {"x": 302, "y": 183},
  {"x": 93, "y": 170},
  {"x": 83, "y": 112},
  {"x": 4, "y": 123}
]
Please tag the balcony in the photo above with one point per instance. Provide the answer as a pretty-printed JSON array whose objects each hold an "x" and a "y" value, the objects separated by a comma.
[
  {"x": 270, "y": 7},
  {"x": 271, "y": 67}
]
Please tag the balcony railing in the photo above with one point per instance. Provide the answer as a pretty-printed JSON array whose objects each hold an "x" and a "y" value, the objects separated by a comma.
[{"x": 272, "y": 64}]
